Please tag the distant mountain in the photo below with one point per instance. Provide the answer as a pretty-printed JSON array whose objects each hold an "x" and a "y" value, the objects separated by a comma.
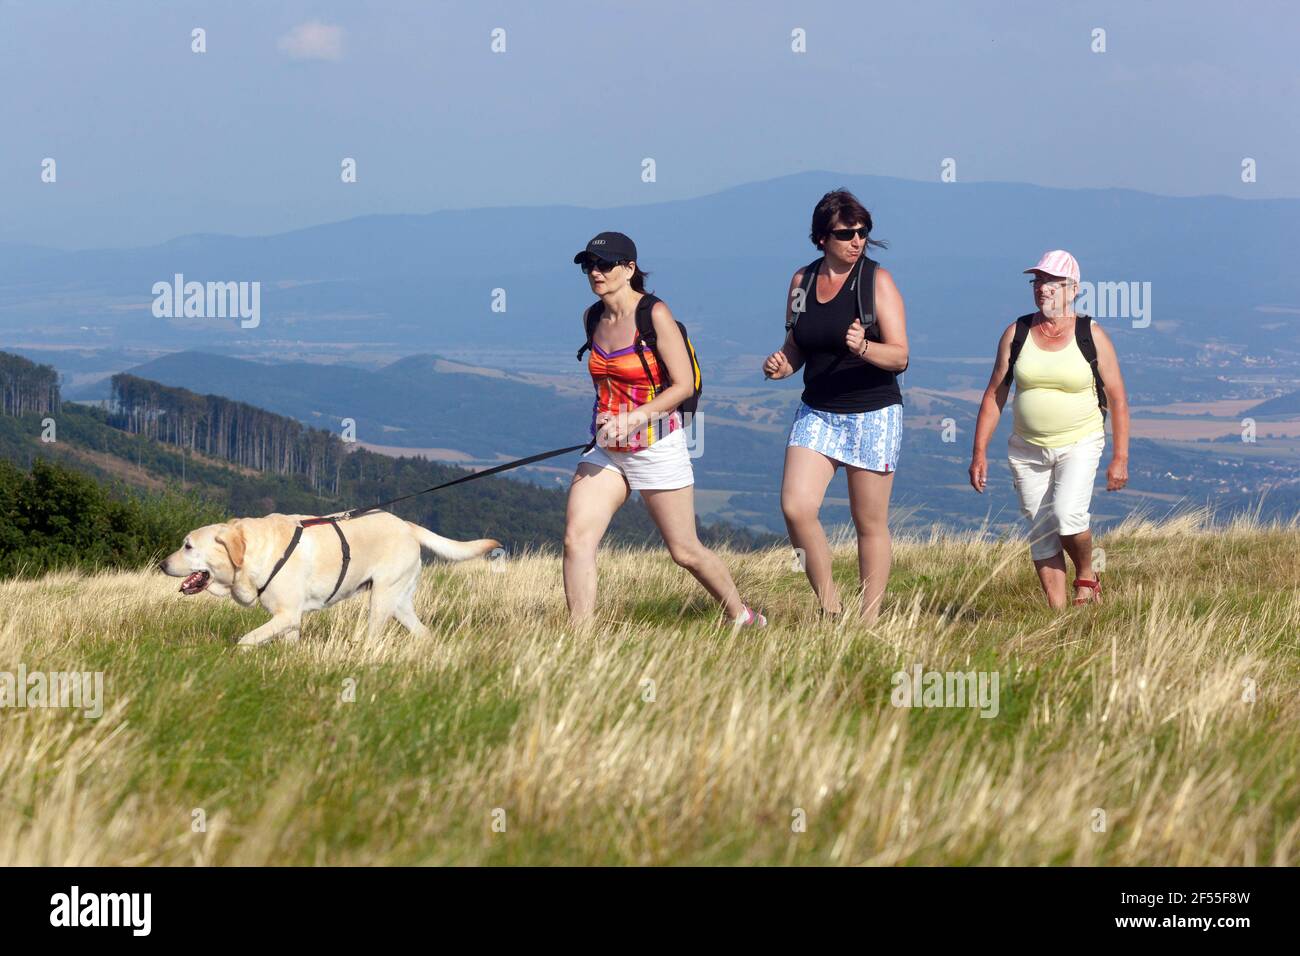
[
  {"x": 426, "y": 282},
  {"x": 419, "y": 402}
]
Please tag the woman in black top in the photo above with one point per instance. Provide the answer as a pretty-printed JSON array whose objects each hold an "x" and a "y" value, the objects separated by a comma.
[{"x": 851, "y": 412}]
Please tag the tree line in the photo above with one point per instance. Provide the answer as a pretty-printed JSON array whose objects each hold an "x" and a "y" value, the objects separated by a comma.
[
  {"x": 232, "y": 431},
  {"x": 53, "y": 518},
  {"x": 27, "y": 387}
]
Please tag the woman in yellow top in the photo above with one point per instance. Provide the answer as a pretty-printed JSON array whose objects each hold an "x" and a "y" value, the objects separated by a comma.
[{"x": 1066, "y": 373}]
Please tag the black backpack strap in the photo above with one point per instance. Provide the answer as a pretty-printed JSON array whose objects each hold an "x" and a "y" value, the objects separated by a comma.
[
  {"x": 645, "y": 325},
  {"x": 1017, "y": 343},
  {"x": 647, "y": 336},
  {"x": 806, "y": 285},
  {"x": 590, "y": 323},
  {"x": 864, "y": 281},
  {"x": 1083, "y": 337},
  {"x": 866, "y": 292}
]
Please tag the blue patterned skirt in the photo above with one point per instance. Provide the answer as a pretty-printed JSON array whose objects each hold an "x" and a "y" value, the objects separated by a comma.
[{"x": 868, "y": 440}]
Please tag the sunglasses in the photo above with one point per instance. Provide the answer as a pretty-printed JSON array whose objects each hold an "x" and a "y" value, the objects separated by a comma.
[
  {"x": 845, "y": 234},
  {"x": 603, "y": 266}
]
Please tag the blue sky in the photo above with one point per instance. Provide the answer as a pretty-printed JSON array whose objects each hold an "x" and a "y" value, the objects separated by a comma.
[{"x": 153, "y": 141}]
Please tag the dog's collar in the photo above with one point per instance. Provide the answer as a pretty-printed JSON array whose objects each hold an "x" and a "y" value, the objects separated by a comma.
[{"x": 293, "y": 544}]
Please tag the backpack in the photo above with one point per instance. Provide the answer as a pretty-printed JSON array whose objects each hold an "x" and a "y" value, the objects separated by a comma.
[
  {"x": 1082, "y": 338},
  {"x": 647, "y": 337},
  {"x": 864, "y": 287}
]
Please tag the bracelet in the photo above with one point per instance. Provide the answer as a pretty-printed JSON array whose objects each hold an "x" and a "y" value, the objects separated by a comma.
[{"x": 865, "y": 345}]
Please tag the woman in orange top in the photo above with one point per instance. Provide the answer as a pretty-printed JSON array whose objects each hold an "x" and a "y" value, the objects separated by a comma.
[{"x": 640, "y": 441}]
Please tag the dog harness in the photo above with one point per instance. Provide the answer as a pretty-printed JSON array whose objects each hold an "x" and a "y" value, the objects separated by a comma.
[{"x": 293, "y": 544}]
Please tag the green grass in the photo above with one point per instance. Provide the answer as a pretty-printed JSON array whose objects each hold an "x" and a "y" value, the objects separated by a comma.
[{"x": 1133, "y": 707}]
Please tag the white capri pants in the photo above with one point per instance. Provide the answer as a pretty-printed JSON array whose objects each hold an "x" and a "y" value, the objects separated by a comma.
[{"x": 1055, "y": 488}]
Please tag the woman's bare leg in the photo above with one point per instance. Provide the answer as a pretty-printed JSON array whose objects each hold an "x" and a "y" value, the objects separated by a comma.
[
  {"x": 595, "y": 494},
  {"x": 803, "y": 487},
  {"x": 869, "y": 502},
  {"x": 673, "y": 512},
  {"x": 1079, "y": 548},
  {"x": 1051, "y": 576}
]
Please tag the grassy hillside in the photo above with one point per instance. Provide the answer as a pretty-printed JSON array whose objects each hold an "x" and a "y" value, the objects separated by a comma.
[{"x": 658, "y": 736}]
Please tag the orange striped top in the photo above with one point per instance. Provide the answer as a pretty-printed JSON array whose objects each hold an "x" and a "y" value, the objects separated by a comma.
[{"x": 621, "y": 385}]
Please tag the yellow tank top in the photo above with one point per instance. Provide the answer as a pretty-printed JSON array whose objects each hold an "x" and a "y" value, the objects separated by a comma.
[{"x": 1056, "y": 398}]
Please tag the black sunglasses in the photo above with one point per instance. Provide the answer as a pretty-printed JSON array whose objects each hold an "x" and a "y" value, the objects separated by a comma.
[
  {"x": 846, "y": 234},
  {"x": 603, "y": 266}
]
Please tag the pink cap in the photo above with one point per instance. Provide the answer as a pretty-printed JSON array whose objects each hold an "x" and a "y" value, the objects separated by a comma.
[{"x": 1058, "y": 263}]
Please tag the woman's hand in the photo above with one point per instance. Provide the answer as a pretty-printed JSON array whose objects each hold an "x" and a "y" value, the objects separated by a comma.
[
  {"x": 778, "y": 365},
  {"x": 615, "y": 429},
  {"x": 1117, "y": 474},
  {"x": 979, "y": 471},
  {"x": 855, "y": 337}
]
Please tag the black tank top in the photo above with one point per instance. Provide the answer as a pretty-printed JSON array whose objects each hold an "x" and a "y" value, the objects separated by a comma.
[{"x": 834, "y": 379}]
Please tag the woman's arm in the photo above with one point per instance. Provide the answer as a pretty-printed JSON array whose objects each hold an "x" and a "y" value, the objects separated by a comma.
[
  {"x": 891, "y": 352},
  {"x": 1117, "y": 402},
  {"x": 991, "y": 405},
  {"x": 788, "y": 359},
  {"x": 792, "y": 352},
  {"x": 672, "y": 350}
]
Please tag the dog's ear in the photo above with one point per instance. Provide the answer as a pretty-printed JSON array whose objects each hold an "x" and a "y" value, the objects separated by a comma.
[{"x": 232, "y": 539}]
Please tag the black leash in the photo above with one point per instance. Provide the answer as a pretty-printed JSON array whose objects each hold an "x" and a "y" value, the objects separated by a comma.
[
  {"x": 334, "y": 519},
  {"x": 495, "y": 469}
]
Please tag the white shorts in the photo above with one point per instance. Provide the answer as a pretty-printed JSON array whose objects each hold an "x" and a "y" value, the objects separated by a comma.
[
  {"x": 1055, "y": 488},
  {"x": 663, "y": 466}
]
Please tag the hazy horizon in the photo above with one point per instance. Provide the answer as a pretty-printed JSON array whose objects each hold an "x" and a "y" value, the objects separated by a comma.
[
  {"x": 648, "y": 202},
  {"x": 153, "y": 141}
]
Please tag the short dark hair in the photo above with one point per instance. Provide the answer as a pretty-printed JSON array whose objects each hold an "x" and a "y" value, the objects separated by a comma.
[
  {"x": 637, "y": 281},
  {"x": 843, "y": 205}
]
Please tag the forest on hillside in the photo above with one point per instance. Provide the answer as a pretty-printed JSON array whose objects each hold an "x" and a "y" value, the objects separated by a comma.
[
  {"x": 234, "y": 431},
  {"x": 27, "y": 387},
  {"x": 116, "y": 486}
]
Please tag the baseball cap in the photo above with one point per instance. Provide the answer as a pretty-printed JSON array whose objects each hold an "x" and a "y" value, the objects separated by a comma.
[
  {"x": 610, "y": 246},
  {"x": 1058, "y": 263}
]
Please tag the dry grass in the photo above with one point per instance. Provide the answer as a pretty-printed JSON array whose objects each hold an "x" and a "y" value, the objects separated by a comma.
[{"x": 662, "y": 737}]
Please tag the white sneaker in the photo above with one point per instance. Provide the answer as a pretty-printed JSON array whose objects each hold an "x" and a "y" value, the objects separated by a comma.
[{"x": 751, "y": 619}]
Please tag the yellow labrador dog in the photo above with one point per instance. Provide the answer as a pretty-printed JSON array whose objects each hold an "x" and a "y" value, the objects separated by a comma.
[{"x": 245, "y": 559}]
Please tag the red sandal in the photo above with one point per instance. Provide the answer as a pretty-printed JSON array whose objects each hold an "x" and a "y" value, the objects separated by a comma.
[{"x": 1096, "y": 591}]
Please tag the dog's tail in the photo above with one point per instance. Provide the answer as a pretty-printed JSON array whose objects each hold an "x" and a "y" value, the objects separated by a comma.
[{"x": 452, "y": 550}]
